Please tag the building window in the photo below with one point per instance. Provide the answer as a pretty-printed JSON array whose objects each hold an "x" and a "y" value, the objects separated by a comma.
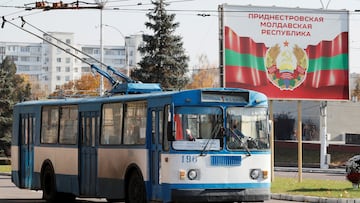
[
  {"x": 58, "y": 78},
  {"x": 24, "y": 49},
  {"x": 14, "y": 58},
  {"x": 24, "y": 58},
  {"x": 85, "y": 69},
  {"x": 67, "y": 78},
  {"x": 67, "y": 60},
  {"x": 58, "y": 60},
  {"x": 2, "y": 50},
  {"x": 58, "y": 69},
  {"x": 67, "y": 69}
]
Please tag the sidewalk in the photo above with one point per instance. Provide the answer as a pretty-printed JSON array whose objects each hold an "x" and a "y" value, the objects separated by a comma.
[
  {"x": 312, "y": 170},
  {"x": 302, "y": 198}
]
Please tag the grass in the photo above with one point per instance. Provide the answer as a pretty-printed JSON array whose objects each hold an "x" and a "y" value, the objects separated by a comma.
[
  {"x": 317, "y": 188},
  {"x": 5, "y": 168}
]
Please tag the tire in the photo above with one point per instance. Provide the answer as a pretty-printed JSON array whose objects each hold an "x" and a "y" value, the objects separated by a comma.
[
  {"x": 48, "y": 185},
  {"x": 136, "y": 192}
]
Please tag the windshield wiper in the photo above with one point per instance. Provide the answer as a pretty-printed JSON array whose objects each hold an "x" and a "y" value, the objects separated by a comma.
[
  {"x": 215, "y": 132},
  {"x": 239, "y": 138}
]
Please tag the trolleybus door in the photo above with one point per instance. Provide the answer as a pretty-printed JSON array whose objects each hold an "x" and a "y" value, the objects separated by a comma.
[
  {"x": 27, "y": 149},
  {"x": 156, "y": 147},
  {"x": 88, "y": 152}
]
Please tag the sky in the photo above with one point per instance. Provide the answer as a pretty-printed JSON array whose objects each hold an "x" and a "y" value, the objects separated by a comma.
[{"x": 200, "y": 33}]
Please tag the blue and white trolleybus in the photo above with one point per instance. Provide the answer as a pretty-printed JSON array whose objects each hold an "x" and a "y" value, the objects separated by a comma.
[{"x": 204, "y": 145}]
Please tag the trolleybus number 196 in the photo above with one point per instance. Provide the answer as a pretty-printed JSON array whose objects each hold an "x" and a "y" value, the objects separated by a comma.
[{"x": 188, "y": 159}]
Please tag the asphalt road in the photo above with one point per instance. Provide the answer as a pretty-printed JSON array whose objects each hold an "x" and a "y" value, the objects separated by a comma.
[{"x": 11, "y": 194}]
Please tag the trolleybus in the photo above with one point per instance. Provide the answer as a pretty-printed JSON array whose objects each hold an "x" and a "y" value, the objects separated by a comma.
[{"x": 204, "y": 145}]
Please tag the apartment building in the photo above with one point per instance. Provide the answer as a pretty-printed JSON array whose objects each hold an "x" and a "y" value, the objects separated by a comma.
[{"x": 52, "y": 62}]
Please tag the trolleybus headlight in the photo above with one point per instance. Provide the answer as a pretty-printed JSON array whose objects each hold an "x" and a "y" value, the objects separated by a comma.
[
  {"x": 192, "y": 174},
  {"x": 255, "y": 173}
]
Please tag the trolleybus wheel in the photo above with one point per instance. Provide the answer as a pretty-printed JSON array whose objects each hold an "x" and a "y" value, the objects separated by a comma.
[
  {"x": 48, "y": 185},
  {"x": 135, "y": 189}
]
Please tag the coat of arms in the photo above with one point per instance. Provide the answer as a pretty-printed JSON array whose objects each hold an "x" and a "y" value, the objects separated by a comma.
[{"x": 286, "y": 66}]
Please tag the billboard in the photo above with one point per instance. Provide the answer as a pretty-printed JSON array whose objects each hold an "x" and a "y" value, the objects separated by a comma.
[{"x": 286, "y": 53}]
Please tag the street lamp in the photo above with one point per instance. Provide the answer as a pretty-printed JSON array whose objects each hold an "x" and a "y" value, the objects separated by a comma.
[
  {"x": 101, "y": 4},
  {"x": 126, "y": 48}
]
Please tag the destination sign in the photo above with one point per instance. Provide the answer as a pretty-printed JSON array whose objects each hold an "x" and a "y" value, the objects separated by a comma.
[{"x": 230, "y": 97}]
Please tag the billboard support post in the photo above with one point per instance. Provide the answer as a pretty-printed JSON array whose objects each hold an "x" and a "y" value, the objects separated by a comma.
[
  {"x": 299, "y": 134},
  {"x": 323, "y": 136},
  {"x": 272, "y": 147}
]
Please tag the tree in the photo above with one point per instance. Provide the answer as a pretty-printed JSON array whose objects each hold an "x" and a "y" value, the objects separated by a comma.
[
  {"x": 12, "y": 90},
  {"x": 204, "y": 75},
  {"x": 204, "y": 78},
  {"x": 87, "y": 85},
  {"x": 38, "y": 91},
  {"x": 164, "y": 60}
]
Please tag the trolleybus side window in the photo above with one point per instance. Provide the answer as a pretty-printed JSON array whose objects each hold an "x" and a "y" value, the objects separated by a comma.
[
  {"x": 49, "y": 124},
  {"x": 161, "y": 126},
  {"x": 135, "y": 122},
  {"x": 112, "y": 124},
  {"x": 27, "y": 128},
  {"x": 161, "y": 135},
  {"x": 68, "y": 124},
  {"x": 167, "y": 128}
]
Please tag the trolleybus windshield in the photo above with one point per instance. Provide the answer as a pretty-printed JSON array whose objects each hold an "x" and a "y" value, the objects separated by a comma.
[{"x": 247, "y": 128}]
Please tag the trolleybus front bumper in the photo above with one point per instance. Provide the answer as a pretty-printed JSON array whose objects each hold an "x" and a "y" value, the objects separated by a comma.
[{"x": 221, "y": 195}]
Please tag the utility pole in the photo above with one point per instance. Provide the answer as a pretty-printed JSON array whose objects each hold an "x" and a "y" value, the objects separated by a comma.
[{"x": 101, "y": 5}]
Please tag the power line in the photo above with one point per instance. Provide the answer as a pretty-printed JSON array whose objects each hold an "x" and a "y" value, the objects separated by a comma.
[{"x": 46, "y": 40}]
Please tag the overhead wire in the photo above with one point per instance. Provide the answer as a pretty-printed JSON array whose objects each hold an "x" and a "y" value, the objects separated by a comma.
[
  {"x": 66, "y": 44},
  {"x": 46, "y": 40}
]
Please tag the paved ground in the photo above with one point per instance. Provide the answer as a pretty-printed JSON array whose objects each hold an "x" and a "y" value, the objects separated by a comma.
[{"x": 333, "y": 174}]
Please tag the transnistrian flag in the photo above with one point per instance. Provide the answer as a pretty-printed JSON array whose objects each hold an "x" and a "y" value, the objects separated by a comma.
[{"x": 297, "y": 54}]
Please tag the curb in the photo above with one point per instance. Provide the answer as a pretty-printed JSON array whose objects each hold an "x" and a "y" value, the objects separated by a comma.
[
  {"x": 312, "y": 170},
  {"x": 301, "y": 198}
]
